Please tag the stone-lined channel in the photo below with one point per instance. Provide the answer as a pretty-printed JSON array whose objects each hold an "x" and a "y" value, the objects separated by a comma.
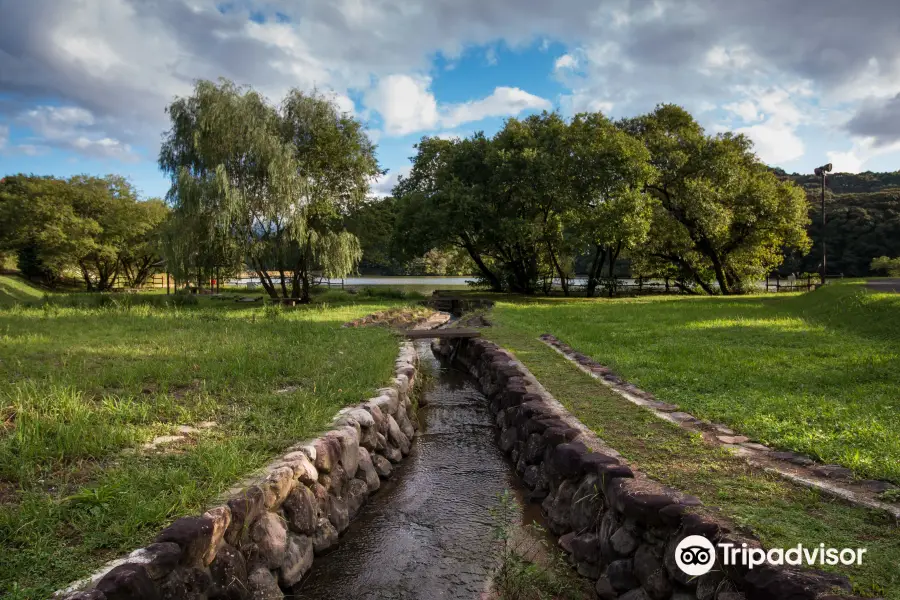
[{"x": 427, "y": 533}]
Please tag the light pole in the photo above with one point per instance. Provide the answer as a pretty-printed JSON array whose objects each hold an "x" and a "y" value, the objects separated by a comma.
[{"x": 820, "y": 172}]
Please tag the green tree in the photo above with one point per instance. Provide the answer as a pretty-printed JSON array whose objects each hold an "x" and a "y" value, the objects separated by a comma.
[
  {"x": 372, "y": 222},
  {"x": 720, "y": 212},
  {"x": 609, "y": 170},
  {"x": 335, "y": 164},
  {"x": 141, "y": 257},
  {"x": 269, "y": 185},
  {"x": 447, "y": 201},
  {"x": 41, "y": 224},
  {"x": 887, "y": 266}
]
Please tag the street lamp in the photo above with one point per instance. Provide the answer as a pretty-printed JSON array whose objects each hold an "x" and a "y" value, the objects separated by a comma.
[{"x": 820, "y": 172}]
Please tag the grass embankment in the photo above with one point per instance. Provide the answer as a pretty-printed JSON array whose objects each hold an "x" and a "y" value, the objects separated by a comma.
[
  {"x": 656, "y": 344},
  {"x": 14, "y": 290},
  {"x": 815, "y": 373},
  {"x": 84, "y": 388}
]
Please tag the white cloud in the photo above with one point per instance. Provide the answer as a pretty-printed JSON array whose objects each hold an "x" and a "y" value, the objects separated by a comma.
[
  {"x": 774, "y": 142},
  {"x": 504, "y": 101},
  {"x": 384, "y": 184},
  {"x": 124, "y": 60},
  {"x": 719, "y": 57},
  {"x": 407, "y": 105},
  {"x": 855, "y": 159},
  {"x": 490, "y": 56},
  {"x": 745, "y": 109},
  {"x": 4, "y": 136},
  {"x": 566, "y": 61},
  {"x": 71, "y": 128}
]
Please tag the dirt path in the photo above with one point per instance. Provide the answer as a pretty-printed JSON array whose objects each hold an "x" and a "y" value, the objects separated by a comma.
[{"x": 885, "y": 285}]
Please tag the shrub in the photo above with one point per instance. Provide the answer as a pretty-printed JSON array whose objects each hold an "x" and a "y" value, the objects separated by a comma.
[{"x": 886, "y": 266}]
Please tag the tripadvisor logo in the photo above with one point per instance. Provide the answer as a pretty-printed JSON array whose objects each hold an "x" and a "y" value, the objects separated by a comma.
[{"x": 695, "y": 555}]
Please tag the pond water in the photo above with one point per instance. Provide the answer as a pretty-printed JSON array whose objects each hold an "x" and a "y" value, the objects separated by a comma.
[
  {"x": 428, "y": 532},
  {"x": 367, "y": 281}
]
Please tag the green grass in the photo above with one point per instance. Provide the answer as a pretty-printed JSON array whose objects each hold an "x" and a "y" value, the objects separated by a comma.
[
  {"x": 779, "y": 513},
  {"x": 14, "y": 290},
  {"x": 85, "y": 386},
  {"x": 816, "y": 373}
]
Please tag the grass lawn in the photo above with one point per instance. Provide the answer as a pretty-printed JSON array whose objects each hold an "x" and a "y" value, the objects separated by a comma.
[
  {"x": 816, "y": 373},
  {"x": 781, "y": 514},
  {"x": 84, "y": 387},
  {"x": 14, "y": 290}
]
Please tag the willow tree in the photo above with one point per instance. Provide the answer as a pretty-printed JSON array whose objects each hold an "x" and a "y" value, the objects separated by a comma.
[{"x": 266, "y": 185}]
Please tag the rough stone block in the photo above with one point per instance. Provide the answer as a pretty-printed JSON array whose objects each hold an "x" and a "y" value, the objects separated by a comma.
[
  {"x": 229, "y": 574},
  {"x": 326, "y": 536},
  {"x": 367, "y": 471},
  {"x": 270, "y": 536},
  {"x": 264, "y": 586},
  {"x": 128, "y": 582},
  {"x": 193, "y": 535},
  {"x": 649, "y": 570},
  {"x": 382, "y": 466},
  {"x": 300, "y": 510},
  {"x": 621, "y": 575},
  {"x": 297, "y": 559},
  {"x": 276, "y": 486},
  {"x": 338, "y": 513},
  {"x": 245, "y": 509},
  {"x": 186, "y": 583},
  {"x": 158, "y": 559}
]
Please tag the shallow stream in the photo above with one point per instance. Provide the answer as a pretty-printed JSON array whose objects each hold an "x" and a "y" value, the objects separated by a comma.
[{"x": 428, "y": 532}]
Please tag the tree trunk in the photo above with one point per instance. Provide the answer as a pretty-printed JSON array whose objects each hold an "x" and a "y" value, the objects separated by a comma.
[
  {"x": 596, "y": 268},
  {"x": 563, "y": 280},
  {"x": 720, "y": 276},
  {"x": 614, "y": 255},
  {"x": 87, "y": 277},
  {"x": 265, "y": 281},
  {"x": 305, "y": 260},
  {"x": 496, "y": 286},
  {"x": 284, "y": 292}
]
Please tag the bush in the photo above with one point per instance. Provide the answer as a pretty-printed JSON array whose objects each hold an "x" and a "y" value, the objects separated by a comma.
[{"x": 886, "y": 266}]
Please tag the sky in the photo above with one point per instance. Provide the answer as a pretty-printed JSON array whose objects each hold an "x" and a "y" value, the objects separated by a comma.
[{"x": 84, "y": 84}]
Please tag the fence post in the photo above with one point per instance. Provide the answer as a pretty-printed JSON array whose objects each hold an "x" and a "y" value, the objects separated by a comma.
[{"x": 777, "y": 283}]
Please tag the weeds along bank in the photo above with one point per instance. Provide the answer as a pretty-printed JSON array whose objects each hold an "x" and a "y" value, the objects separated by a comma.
[
  {"x": 623, "y": 530},
  {"x": 87, "y": 392}
]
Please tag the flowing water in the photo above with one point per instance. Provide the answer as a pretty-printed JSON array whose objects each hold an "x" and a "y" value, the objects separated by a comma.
[{"x": 427, "y": 533}]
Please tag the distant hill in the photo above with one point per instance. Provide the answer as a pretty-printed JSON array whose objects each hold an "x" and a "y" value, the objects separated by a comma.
[{"x": 863, "y": 216}]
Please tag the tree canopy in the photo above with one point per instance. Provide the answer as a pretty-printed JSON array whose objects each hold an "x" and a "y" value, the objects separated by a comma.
[
  {"x": 526, "y": 203},
  {"x": 94, "y": 226},
  {"x": 265, "y": 185}
]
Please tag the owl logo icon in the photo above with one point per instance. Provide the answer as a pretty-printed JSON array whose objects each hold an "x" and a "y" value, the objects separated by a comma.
[{"x": 695, "y": 555}]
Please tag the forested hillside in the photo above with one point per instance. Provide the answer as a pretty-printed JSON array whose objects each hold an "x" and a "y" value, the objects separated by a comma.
[{"x": 863, "y": 221}]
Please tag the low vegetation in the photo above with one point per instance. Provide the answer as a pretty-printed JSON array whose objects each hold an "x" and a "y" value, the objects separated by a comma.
[
  {"x": 779, "y": 513},
  {"x": 815, "y": 373},
  {"x": 13, "y": 290},
  {"x": 529, "y": 566},
  {"x": 90, "y": 380}
]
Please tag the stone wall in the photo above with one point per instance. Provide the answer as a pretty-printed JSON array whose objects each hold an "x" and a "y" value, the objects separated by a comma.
[
  {"x": 266, "y": 536},
  {"x": 620, "y": 528}
]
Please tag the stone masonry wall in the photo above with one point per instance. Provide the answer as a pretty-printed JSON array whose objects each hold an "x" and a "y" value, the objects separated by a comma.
[
  {"x": 266, "y": 536},
  {"x": 620, "y": 527}
]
